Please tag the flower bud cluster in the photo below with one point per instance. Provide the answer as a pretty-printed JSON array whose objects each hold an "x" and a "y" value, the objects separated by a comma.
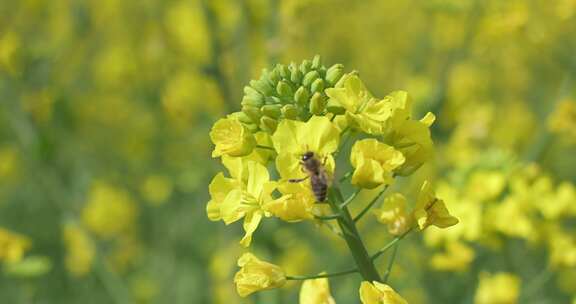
[{"x": 294, "y": 91}]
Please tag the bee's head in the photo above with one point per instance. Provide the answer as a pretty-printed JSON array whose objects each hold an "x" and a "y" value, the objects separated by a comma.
[{"x": 308, "y": 155}]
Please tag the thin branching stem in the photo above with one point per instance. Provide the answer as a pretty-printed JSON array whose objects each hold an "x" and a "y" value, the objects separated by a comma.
[
  {"x": 265, "y": 147},
  {"x": 390, "y": 263},
  {"x": 370, "y": 205},
  {"x": 322, "y": 275},
  {"x": 327, "y": 217},
  {"x": 350, "y": 199},
  {"x": 390, "y": 244}
]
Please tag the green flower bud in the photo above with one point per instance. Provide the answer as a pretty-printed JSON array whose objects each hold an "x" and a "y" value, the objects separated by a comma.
[
  {"x": 275, "y": 75},
  {"x": 252, "y": 127},
  {"x": 262, "y": 86},
  {"x": 272, "y": 100},
  {"x": 296, "y": 75},
  {"x": 317, "y": 104},
  {"x": 268, "y": 124},
  {"x": 251, "y": 91},
  {"x": 252, "y": 112},
  {"x": 334, "y": 107},
  {"x": 253, "y": 100},
  {"x": 273, "y": 111},
  {"x": 301, "y": 96},
  {"x": 317, "y": 86},
  {"x": 284, "y": 71},
  {"x": 243, "y": 117},
  {"x": 334, "y": 74},
  {"x": 316, "y": 62},
  {"x": 305, "y": 66},
  {"x": 310, "y": 77},
  {"x": 284, "y": 88},
  {"x": 290, "y": 111}
]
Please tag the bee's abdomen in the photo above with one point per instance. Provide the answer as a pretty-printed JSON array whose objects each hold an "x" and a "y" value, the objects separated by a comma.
[{"x": 319, "y": 188}]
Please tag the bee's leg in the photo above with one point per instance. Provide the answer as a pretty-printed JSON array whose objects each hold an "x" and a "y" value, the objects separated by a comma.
[{"x": 297, "y": 180}]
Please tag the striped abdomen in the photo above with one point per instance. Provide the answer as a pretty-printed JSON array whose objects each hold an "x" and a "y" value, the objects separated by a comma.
[{"x": 319, "y": 185}]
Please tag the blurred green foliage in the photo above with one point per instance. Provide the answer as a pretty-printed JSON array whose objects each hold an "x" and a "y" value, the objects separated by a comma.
[{"x": 106, "y": 106}]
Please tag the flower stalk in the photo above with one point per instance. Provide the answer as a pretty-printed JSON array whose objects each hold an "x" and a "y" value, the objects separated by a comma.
[{"x": 352, "y": 237}]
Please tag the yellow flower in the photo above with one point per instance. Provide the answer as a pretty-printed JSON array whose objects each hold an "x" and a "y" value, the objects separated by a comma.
[
  {"x": 374, "y": 163},
  {"x": 430, "y": 210},
  {"x": 563, "y": 119},
  {"x": 109, "y": 211},
  {"x": 231, "y": 138},
  {"x": 156, "y": 189},
  {"x": 298, "y": 206},
  {"x": 255, "y": 275},
  {"x": 316, "y": 291},
  {"x": 12, "y": 246},
  {"x": 393, "y": 213},
  {"x": 412, "y": 138},
  {"x": 379, "y": 293},
  {"x": 497, "y": 288},
  {"x": 363, "y": 111},
  {"x": 243, "y": 196},
  {"x": 80, "y": 250},
  {"x": 294, "y": 138},
  {"x": 457, "y": 257}
]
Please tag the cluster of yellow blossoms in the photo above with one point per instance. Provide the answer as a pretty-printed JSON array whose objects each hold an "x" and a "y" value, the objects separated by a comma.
[{"x": 296, "y": 109}]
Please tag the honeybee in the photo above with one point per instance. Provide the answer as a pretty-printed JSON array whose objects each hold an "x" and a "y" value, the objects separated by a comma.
[{"x": 317, "y": 174}]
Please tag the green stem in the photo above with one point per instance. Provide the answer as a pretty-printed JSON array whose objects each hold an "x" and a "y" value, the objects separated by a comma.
[
  {"x": 369, "y": 206},
  {"x": 327, "y": 217},
  {"x": 391, "y": 263},
  {"x": 352, "y": 237},
  {"x": 390, "y": 244},
  {"x": 350, "y": 199},
  {"x": 265, "y": 147},
  {"x": 345, "y": 177},
  {"x": 325, "y": 275}
]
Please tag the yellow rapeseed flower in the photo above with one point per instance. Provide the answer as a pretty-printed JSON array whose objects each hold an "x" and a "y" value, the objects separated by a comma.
[
  {"x": 393, "y": 213},
  {"x": 457, "y": 257},
  {"x": 245, "y": 196},
  {"x": 294, "y": 138},
  {"x": 374, "y": 163},
  {"x": 110, "y": 211},
  {"x": 80, "y": 250},
  {"x": 497, "y": 288},
  {"x": 379, "y": 293},
  {"x": 299, "y": 205},
  {"x": 413, "y": 139},
  {"x": 363, "y": 111},
  {"x": 316, "y": 291},
  {"x": 232, "y": 138},
  {"x": 430, "y": 210},
  {"x": 255, "y": 275},
  {"x": 12, "y": 246}
]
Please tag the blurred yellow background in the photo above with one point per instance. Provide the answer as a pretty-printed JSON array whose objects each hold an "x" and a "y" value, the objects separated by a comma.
[{"x": 106, "y": 106}]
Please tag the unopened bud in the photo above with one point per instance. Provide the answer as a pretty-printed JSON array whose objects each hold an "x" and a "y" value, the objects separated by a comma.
[
  {"x": 302, "y": 96},
  {"x": 310, "y": 77},
  {"x": 290, "y": 111},
  {"x": 334, "y": 74},
  {"x": 316, "y": 62},
  {"x": 273, "y": 111},
  {"x": 284, "y": 88},
  {"x": 262, "y": 86},
  {"x": 317, "y": 104},
  {"x": 305, "y": 66},
  {"x": 317, "y": 86},
  {"x": 252, "y": 112},
  {"x": 268, "y": 124}
]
